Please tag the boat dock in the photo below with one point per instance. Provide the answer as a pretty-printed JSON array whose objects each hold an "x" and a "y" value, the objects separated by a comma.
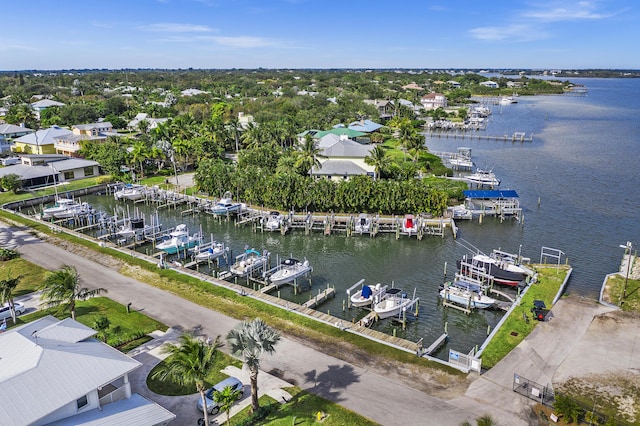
[
  {"x": 514, "y": 137},
  {"x": 320, "y": 297}
]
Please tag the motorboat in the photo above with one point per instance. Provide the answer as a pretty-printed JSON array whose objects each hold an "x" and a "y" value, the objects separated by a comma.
[
  {"x": 392, "y": 303},
  {"x": 479, "y": 269},
  {"x": 466, "y": 297},
  {"x": 289, "y": 270},
  {"x": 249, "y": 262},
  {"x": 507, "y": 100},
  {"x": 503, "y": 263},
  {"x": 483, "y": 178},
  {"x": 274, "y": 221},
  {"x": 177, "y": 240},
  {"x": 133, "y": 227},
  {"x": 460, "y": 212},
  {"x": 66, "y": 208},
  {"x": 225, "y": 205},
  {"x": 409, "y": 224},
  {"x": 363, "y": 224},
  {"x": 212, "y": 252},
  {"x": 367, "y": 295},
  {"x": 130, "y": 192}
]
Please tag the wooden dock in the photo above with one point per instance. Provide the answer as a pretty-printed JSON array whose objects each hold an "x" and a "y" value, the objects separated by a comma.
[
  {"x": 320, "y": 297},
  {"x": 435, "y": 345},
  {"x": 515, "y": 137}
]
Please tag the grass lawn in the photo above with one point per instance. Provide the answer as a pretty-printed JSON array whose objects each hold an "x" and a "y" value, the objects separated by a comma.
[
  {"x": 168, "y": 387},
  {"x": 32, "y": 275},
  {"x": 124, "y": 327},
  {"x": 520, "y": 323},
  {"x": 303, "y": 409},
  {"x": 615, "y": 290}
]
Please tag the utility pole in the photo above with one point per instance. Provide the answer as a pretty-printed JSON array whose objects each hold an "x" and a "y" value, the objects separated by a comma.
[{"x": 627, "y": 252}]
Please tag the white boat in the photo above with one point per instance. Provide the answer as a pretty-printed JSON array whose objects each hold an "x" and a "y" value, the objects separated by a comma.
[
  {"x": 503, "y": 262},
  {"x": 363, "y": 224},
  {"x": 289, "y": 270},
  {"x": 483, "y": 178},
  {"x": 214, "y": 251},
  {"x": 178, "y": 239},
  {"x": 133, "y": 227},
  {"x": 392, "y": 303},
  {"x": 467, "y": 297},
  {"x": 367, "y": 295},
  {"x": 249, "y": 262},
  {"x": 274, "y": 221},
  {"x": 225, "y": 205},
  {"x": 66, "y": 208},
  {"x": 409, "y": 225},
  {"x": 460, "y": 212},
  {"x": 507, "y": 100},
  {"x": 130, "y": 192}
]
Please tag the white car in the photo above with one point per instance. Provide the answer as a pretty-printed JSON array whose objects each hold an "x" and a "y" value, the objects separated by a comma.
[
  {"x": 5, "y": 311},
  {"x": 212, "y": 406}
]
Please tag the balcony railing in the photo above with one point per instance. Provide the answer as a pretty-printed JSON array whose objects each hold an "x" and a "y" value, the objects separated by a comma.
[{"x": 116, "y": 395}]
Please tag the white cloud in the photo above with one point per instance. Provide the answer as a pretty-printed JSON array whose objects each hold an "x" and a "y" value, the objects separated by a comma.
[
  {"x": 582, "y": 10},
  {"x": 243, "y": 42},
  {"x": 513, "y": 32},
  {"x": 175, "y": 28}
]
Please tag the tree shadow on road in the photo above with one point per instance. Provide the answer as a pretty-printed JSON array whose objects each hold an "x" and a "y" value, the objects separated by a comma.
[{"x": 331, "y": 382}]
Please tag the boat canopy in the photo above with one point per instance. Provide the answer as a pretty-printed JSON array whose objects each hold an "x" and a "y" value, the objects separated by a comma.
[
  {"x": 490, "y": 193},
  {"x": 366, "y": 291}
]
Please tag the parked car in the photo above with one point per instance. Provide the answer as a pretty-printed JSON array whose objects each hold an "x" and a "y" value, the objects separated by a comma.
[
  {"x": 212, "y": 406},
  {"x": 5, "y": 311}
]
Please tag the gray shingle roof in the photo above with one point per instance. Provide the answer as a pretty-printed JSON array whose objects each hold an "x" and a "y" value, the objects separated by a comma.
[{"x": 339, "y": 168}]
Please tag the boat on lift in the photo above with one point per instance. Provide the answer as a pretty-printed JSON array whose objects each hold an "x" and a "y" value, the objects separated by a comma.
[
  {"x": 225, "y": 205},
  {"x": 367, "y": 295},
  {"x": 363, "y": 224},
  {"x": 409, "y": 225},
  {"x": 274, "y": 221},
  {"x": 214, "y": 251},
  {"x": 66, "y": 208},
  {"x": 130, "y": 192},
  {"x": 290, "y": 269},
  {"x": 177, "y": 240},
  {"x": 483, "y": 178},
  {"x": 249, "y": 262},
  {"x": 392, "y": 303},
  {"x": 466, "y": 296}
]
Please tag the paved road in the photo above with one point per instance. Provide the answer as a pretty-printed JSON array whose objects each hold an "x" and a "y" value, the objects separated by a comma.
[{"x": 372, "y": 395}]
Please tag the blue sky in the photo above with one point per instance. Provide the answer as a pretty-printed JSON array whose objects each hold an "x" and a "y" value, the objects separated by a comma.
[{"x": 540, "y": 34}]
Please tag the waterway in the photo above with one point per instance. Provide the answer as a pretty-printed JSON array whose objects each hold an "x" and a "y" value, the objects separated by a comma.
[{"x": 578, "y": 186}]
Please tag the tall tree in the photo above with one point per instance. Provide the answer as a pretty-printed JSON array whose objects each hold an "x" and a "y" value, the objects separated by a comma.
[
  {"x": 248, "y": 341},
  {"x": 139, "y": 154},
  {"x": 7, "y": 287},
  {"x": 62, "y": 289},
  {"x": 379, "y": 159},
  {"x": 308, "y": 155},
  {"x": 189, "y": 363}
]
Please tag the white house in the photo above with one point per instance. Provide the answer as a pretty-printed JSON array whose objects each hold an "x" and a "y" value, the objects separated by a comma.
[
  {"x": 153, "y": 122},
  {"x": 490, "y": 84},
  {"x": 43, "y": 170},
  {"x": 8, "y": 132},
  {"x": 55, "y": 372},
  {"x": 433, "y": 101}
]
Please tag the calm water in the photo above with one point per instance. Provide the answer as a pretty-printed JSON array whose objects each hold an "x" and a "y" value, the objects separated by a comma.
[{"x": 582, "y": 165}]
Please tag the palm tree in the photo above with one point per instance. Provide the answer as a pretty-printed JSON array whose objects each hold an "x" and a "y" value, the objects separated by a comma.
[
  {"x": 308, "y": 155},
  {"x": 7, "y": 286},
  {"x": 248, "y": 341},
  {"x": 378, "y": 159},
  {"x": 225, "y": 399},
  {"x": 139, "y": 154},
  {"x": 62, "y": 289},
  {"x": 189, "y": 363},
  {"x": 101, "y": 325},
  {"x": 252, "y": 137}
]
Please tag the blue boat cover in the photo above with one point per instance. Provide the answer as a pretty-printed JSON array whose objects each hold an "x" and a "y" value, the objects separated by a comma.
[
  {"x": 366, "y": 291},
  {"x": 490, "y": 193}
]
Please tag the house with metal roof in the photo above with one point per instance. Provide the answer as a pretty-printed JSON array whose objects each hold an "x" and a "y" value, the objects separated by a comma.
[
  {"x": 71, "y": 144},
  {"x": 40, "y": 142},
  {"x": 364, "y": 126},
  {"x": 433, "y": 101},
  {"x": 342, "y": 158},
  {"x": 36, "y": 172},
  {"x": 143, "y": 116},
  {"x": 8, "y": 132},
  {"x": 43, "y": 104},
  {"x": 56, "y": 372}
]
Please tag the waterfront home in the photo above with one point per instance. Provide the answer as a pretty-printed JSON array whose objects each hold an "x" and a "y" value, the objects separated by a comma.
[
  {"x": 40, "y": 142},
  {"x": 343, "y": 158},
  {"x": 364, "y": 126},
  {"x": 433, "y": 101},
  {"x": 37, "y": 171},
  {"x": 490, "y": 84},
  {"x": 8, "y": 132},
  {"x": 56, "y": 372}
]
